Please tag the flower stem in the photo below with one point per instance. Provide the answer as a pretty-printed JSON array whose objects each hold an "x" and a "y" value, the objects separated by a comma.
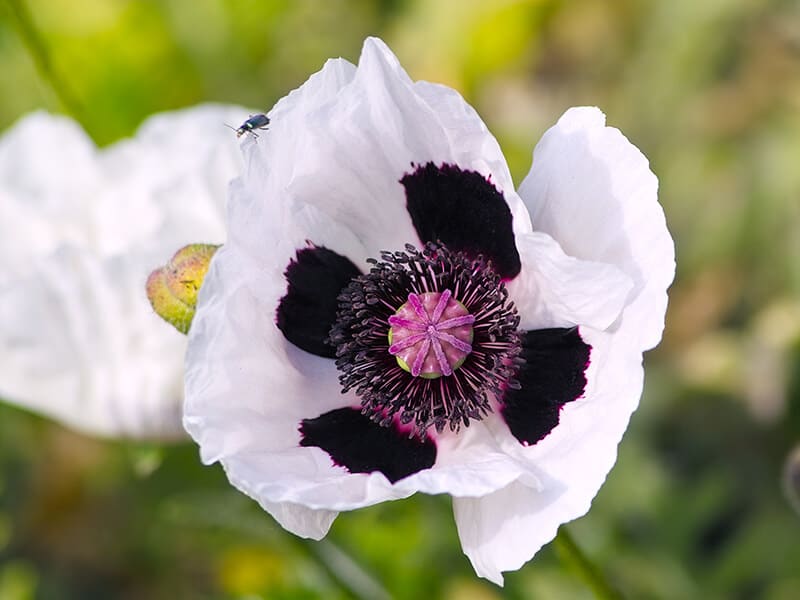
[
  {"x": 38, "y": 49},
  {"x": 574, "y": 558}
]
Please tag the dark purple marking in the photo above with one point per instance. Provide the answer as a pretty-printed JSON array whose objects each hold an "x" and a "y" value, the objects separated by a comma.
[
  {"x": 464, "y": 211},
  {"x": 553, "y": 373},
  {"x": 360, "y": 445},
  {"x": 307, "y": 312}
]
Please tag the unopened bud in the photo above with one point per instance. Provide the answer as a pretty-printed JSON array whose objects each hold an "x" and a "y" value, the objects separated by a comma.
[{"x": 172, "y": 289}]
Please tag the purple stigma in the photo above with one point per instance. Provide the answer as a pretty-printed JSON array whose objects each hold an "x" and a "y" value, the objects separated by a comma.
[{"x": 431, "y": 334}]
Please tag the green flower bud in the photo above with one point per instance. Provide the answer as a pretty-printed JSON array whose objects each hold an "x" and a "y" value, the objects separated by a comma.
[{"x": 172, "y": 289}]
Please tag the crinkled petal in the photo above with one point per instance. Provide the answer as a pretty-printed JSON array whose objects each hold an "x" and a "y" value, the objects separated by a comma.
[
  {"x": 556, "y": 290},
  {"x": 260, "y": 196},
  {"x": 470, "y": 463},
  {"x": 338, "y": 147},
  {"x": 300, "y": 520},
  {"x": 502, "y": 530},
  {"x": 473, "y": 146},
  {"x": 574, "y": 460},
  {"x": 79, "y": 341},
  {"x": 592, "y": 191}
]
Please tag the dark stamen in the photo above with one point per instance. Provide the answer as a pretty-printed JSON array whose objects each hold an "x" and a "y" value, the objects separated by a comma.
[{"x": 453, "y": 315}]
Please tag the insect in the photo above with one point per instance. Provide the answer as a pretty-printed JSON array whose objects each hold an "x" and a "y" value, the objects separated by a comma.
[{"x": 251, "y": 124}]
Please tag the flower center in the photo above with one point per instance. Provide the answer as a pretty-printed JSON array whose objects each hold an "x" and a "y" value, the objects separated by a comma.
[
  {"x": 431, "y": 334},
  {"x": 427, "y": 338}
]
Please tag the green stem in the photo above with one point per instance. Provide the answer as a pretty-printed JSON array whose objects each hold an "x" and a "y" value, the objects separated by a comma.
[
  {"x": 38, "y": 49},
  {"x": 573, "y": 556}
]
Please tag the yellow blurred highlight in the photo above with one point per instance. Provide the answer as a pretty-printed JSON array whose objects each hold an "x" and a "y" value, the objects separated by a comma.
[
  {"x": 457, "y": 43},
  {"x": 18, "y": 581},
  {"x": 250, "y": 570},
  {"x": 713, "y": 362},
  {"x": 60, "y": 16},
  {"x": 778, "y": 324}
]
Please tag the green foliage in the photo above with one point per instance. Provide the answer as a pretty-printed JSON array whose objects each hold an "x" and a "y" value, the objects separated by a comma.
[{"x": 693, "y": 509}]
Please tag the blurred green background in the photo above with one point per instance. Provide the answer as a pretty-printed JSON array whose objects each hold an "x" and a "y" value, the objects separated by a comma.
[{"x": 709, "y": 90}]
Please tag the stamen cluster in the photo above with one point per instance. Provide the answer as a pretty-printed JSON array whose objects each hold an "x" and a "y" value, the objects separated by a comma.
[{"x": 361, "y": 336}]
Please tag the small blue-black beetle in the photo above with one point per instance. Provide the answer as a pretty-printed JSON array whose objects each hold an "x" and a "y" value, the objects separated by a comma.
[{"x": 252, "y": 123}]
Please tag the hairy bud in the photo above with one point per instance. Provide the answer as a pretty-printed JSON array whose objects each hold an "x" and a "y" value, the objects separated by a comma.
[{"x": 172, "y": 289}]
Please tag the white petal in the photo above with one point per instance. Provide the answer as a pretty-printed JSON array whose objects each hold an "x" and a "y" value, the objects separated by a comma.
[
  {"x": 472, "y": 145},
  {"x": 44, "y": 199},
  {"x": 79, "y": 341},
  {"x": 260, "y": 196},
  {"x": 593, "y": 192},
  {"x": 556, "y": 290},
  {"x": 300, "y": 520},
  {"x": 503, "y": 530},
  {"x": 583, "y": 446},
  {"x": 574, "y": 460},
  {"x": 469, "y": 463},
  {"x": 337, "y": 151}
]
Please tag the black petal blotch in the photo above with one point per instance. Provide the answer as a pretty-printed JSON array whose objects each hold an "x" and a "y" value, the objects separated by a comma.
[
  {"x": 307, "y": 312},
  {"x": 552, "y": 374},
  {"x": 464, "y": 211},
  {"x": 360, "y": 445}
]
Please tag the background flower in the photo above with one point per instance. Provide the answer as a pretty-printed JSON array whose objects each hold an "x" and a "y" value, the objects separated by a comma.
[{"x": 81, "y": 230}]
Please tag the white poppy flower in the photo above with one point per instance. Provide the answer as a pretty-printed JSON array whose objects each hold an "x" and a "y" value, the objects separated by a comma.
[
  {"x": 497, "y": 360},
  {"x": 80, "y": 230}
]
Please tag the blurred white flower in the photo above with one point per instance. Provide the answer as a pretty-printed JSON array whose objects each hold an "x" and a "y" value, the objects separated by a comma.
[
  {"x": 497, "y": 360},
  {"x": 80, "y": 230}
]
